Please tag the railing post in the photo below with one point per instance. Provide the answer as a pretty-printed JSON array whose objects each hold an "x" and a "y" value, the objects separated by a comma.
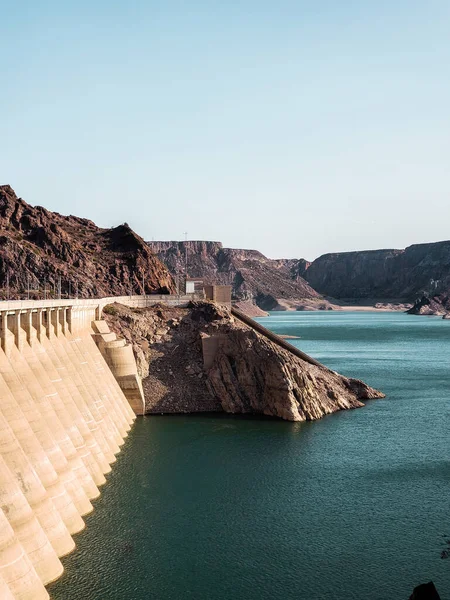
[{"x": 4, "y": 330}]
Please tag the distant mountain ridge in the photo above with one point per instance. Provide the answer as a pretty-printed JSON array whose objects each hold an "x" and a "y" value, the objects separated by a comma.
[
  {"x": 38, "y": 247},
  {"x": 266, "y": 282},
  {"x": 401, "y": 274}
]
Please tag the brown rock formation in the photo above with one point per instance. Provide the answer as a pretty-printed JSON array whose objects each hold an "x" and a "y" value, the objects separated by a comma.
[
  {"x": 434, "y": 305},
  {"x": 383, "y": 274},
  {"x": 389, "y": 277},
  {"x": 250, "y": 374},
  {"x": 270, "y": 284},
  {"x": 38, "y": 246}
]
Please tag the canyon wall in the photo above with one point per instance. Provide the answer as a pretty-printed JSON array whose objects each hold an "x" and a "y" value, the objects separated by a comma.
[
  {"x": 271, "y": 284},
  {"x": 390, "y": 274},
  {"x": 400, "y": 274}
]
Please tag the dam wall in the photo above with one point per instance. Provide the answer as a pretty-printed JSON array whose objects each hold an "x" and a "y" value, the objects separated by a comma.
[{"x": 64, "y": 415}]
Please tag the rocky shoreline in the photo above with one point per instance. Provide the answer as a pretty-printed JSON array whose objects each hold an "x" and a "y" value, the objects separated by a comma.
[
  {"x": 357, "y": 305},
  {"x": 249, "y": 374},
  {"x": 438, "y": 305}
]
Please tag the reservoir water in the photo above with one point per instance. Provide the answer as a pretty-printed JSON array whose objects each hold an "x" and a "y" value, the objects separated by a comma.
[{"x": 354, "y": 506}]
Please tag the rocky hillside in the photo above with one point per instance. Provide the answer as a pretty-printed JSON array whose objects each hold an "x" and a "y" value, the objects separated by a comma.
[
  {"x": 37, "y": 247},
  {"x": 400, "y": 274},
  {"x": 271, "y": 284},
  {"x": 250, "y": 374}
]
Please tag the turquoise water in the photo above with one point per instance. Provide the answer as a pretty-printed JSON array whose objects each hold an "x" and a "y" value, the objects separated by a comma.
[{"x": 350, "y": 507}]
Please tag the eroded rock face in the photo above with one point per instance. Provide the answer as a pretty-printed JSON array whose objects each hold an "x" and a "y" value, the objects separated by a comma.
[
  {"x": 249, "y": 374},
  {"x": 270, "y": 284},
  {"x": 253, "y": 375},
  {"x": 38, "y": 246},
  {"x": 390, "y": 277},
  {"x": 395, "y": 274}
]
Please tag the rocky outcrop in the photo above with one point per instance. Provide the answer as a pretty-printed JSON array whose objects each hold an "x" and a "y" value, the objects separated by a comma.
[
  {"x": 388, "y": 274},
  {"x": 425, "y": 591},
  {"x": 37, "y": 247},
  {"x": 270, "y": 284},
  {"x": 393, "y": 306},
  {"x": 249, "y": 374},
  {"x": 434, "y": 305}
]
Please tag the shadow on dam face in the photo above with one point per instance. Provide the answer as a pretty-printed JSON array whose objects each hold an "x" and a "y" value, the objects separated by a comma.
[{"x": 69, "y": 393}]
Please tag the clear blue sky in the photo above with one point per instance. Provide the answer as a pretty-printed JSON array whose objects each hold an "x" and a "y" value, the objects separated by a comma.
[{"x": 294, "y": 127}]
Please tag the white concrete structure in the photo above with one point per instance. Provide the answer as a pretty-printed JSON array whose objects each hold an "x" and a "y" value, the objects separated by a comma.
[{"x": 63, "y": 418}]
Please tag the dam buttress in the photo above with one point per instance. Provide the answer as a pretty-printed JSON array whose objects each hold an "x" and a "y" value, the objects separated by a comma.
[{"x": 69, "y": 393}]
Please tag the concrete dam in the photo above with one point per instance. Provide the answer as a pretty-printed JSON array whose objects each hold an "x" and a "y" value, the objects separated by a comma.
[{"x": 69, "y": 393}]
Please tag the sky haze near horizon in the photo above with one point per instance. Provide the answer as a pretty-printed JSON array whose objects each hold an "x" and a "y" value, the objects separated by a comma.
[{"x": 295, "y": 128}]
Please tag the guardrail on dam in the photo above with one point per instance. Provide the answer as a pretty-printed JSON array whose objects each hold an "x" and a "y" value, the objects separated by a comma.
[{"x": 67, "y": 389}]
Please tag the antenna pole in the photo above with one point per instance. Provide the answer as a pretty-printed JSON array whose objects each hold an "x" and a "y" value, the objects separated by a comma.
[{"x": 185, "y": 261}]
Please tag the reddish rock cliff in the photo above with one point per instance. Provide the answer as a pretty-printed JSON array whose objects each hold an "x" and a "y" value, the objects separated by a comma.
[
  {"x": 271, "y": 284},
  {"x": 37, "y": 247}
]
